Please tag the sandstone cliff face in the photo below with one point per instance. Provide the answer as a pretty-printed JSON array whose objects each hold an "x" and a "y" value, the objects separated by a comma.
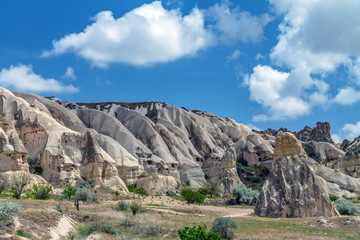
[
  {"x": 62, "y": 153},
  {"x": 187, "y": 145},
  {"x": 292, "y": 189}
]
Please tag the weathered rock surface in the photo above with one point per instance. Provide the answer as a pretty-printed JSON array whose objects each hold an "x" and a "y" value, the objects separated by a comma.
[
  {"x": 157, "y": 184},
  {"x": 322, "y": 152},
  {"x": 292, "y": 189},
  {"x": 335, "y": 176},
  {"x": 62, "y": 152}
]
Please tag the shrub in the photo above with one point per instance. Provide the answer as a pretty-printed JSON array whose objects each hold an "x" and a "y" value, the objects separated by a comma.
[
  {"x": 84, "y": 194},
  {"x": 8, "y": 210},
  {"x": 135, "y": 207},
  {"x": 224, "y": 226},
  {"x": 333, "y": 198},
  {"x": 203, "y": 191},
  {"x": 69, "y": 192},
  {"x": 85, "y": 230},
  {"x": 243, "y": 194},
  {"x": 191, "y": 196},
  {"x": 127, "y": 222},
  {"x": 108, "y": 228},
  {"x": 198, "y": 233},
  {"x": 41, "y": 191},
  {"x": 152, "y": 230},
  {"x": 346, "y": 207},
  {"x": 213, "y": 189},
  {"x": 122, "y": 206},
  {"x": 134, "y": 189}
]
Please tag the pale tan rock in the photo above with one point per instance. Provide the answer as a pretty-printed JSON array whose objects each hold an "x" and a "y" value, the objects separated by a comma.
[
  {"x": 157, "y": 184},
  {"x": 287, "y": 145}
]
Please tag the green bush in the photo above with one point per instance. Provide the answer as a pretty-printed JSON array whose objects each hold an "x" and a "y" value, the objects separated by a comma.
[
  {"x": 203, "y": 191},
  {"x": 243, "y": 194},
  {"x": 108, "y": 228},
  {"x": 197, "y": 233},
  {"x": 69, "y": 192},
  {"x": 333, "y": 198},
  {"x": 191, "y": 196},
  {"x": 41, "y": 191},
  {"x": 22, "y": 234},
  {"x": 8, "y": 210},
  {"x": 84, "y": 194},
  {"x": 224, "y": 226},
  {"x": 346, "y": 207},
  {"x": 134, "y": 189},
  {"x": 135, "y": 207},
  {"x": 122, "y": 206},
  {"x": 213, "y": 189}
]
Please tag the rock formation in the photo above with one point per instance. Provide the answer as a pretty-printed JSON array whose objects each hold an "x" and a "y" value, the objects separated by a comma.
[
  {"x": 292, "y": 189},
  {"x": 157, "y": 184}
]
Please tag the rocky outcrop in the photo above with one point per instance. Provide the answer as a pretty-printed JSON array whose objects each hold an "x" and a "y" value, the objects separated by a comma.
[
  {"x": 321, "y": 133},
  {"x": 62, "y": 153},
  {"x": 292, "y": 189},
  {"x": 335, "y": 176},
  {"x": 157, "y": 184},
  {"x": 322, "y": 152}
]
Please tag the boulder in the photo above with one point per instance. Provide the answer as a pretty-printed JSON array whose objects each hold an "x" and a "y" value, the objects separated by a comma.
[
  {"x": 157, "y": 184},
  {"x": 292, "y": 189}
]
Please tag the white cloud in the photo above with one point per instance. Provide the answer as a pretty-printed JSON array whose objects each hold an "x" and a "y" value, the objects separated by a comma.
[
  {"x": 253, "y": 127},
  {"x": 266, "y": 87},
  {"x": 336, "y": 138},
  {"x": 259, "y": 56},
  {"x": 23, "y": 78},
  {"x": 349, "y": 131},
  {"x": 69, "y": 73},
  {"x": 146, "y": 35},
  {"x": 151, "y": 34},
  {"x": 347, "y": 96},
  {"x": 234, "y": 56},
  {"x": 316, "y": 37},
  {"x": 234, "y": 25}
]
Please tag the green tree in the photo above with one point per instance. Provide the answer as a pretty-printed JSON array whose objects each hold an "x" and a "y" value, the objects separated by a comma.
[
  {"x": 224, "y": 226},
  {"x": 69, "y": 192},
  {"x": 20, "y": 182}
]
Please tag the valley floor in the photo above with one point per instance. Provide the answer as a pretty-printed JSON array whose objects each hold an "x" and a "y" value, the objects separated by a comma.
[{"x": 160, "y": 218}]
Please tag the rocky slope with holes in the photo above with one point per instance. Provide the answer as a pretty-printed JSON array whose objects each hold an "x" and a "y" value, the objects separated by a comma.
[{"x": 116, "y": 143}]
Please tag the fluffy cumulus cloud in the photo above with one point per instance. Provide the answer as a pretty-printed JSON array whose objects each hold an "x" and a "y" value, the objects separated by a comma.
[
  {"x": 349, "y": 131},
  {"x": 69, "y": 73},
  {"x": 146, "y": 35},
  {"x": 268, "y": 87},
  {"x": 316, "y": 37},
  {"x": 233, "y": 25},
  {"x": 22, "y": 78},
  {"x": 152, "y": 34},
  {"x": 347, "y": 96}
]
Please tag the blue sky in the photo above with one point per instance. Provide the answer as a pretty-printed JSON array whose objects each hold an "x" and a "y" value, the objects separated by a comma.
[{"x": 264, "y": 63}]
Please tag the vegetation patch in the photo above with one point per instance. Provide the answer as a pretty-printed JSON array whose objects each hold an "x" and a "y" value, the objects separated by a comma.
[{"x": 251, "y": 176}]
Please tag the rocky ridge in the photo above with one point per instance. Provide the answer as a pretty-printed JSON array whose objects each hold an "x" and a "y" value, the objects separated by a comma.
[{"x": 114, "y": 144}]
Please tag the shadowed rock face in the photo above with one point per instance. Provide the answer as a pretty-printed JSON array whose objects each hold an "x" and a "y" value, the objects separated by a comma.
[{"x": 292, "y": 189}]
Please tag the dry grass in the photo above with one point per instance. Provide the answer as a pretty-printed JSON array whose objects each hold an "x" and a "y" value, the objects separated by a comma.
[{"x": 163, "y": 216}]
